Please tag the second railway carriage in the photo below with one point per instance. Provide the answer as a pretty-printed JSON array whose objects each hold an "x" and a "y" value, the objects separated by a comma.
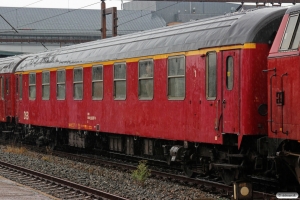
[
  {"x": 283, "y": 78},
  {"x": 193, "y": 93},
  {"x": 8, "y": 88}
]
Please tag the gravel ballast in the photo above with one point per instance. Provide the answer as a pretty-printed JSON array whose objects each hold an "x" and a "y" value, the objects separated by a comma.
[{"x": 109, "y": 180}]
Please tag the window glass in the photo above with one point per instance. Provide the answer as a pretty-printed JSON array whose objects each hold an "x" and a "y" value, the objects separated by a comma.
[
  {"x": 211, "y": 75},
  {"x": 20, "y": 86},
  {"x": 78, "y": 84},
  {"x": 32, "y": 86},
  {"x": 296, "y": 39},
  {"x": 45, "y": 85},
  {"x": 97, "y": 82},
  {"x": 61, "y": 84},
  {"x": 176, "y": 77},
  {"x": 7, "y": 85},
  {"x": 145, "y": 89},
  {"x": 120, "y": 81},
  {"x": 285, "y": 45},
  {"x": 2, "y": 88},
  {"x": 229, "y": 73}
]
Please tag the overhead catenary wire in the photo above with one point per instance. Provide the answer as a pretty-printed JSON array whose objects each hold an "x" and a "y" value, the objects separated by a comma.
[
  {"x": 59, "y": 14},
  {"x": 91, "y": 5},
  {"x": 21, "y": 7}
]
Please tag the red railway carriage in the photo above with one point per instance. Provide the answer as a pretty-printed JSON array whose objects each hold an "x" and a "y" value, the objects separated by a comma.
[
  {"x": 284, "y": 76},
  {"x": 206, "y": 81},
  {"x": 193, "y": 93},
  {"x": 8, "y": 88},
  {"x": 283, "y": 64}
]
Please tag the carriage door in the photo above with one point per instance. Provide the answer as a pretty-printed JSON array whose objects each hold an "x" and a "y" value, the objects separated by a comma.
[
  {"x": 2, "y": 102},
  {"x": 7, "y": 97},
  {"x": 231, "y": 91}
]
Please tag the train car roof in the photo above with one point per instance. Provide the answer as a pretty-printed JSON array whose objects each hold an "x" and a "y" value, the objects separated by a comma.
[
  {"x": 231, "y": 29},
  {"x": 293, "y": 9},
  {"x": 9, "y": 64}
]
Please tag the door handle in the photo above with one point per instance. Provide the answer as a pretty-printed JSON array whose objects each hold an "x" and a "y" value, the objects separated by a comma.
[{"x": 224, "y": 101}]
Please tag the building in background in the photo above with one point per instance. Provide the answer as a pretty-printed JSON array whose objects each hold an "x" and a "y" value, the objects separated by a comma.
[
  {"x": 41, "y": 29},
  {"x": 182, "y": 11},
  {"x": 28, "y": 30}
]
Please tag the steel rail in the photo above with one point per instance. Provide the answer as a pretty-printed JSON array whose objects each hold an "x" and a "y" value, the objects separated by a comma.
[
  {"x": 64, "y": 182},
  {"x": 208, "y": 183}
]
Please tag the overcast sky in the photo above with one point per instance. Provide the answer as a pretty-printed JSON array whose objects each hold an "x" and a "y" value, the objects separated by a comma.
[{"x": 72, "y": 4}]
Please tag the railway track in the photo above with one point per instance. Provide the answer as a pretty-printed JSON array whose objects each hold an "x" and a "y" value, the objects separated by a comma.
[
  {"x": 54, "y": 186},
  {"x": 206, "y": 185}
]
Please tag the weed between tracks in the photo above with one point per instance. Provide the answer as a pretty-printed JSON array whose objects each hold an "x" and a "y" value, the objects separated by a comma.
[{"x": 141, "y": 173}]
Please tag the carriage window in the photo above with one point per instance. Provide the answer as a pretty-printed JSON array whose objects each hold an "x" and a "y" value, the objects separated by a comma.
[
  {"x": 229, "y": 73},
  {"x": 78, "y": 84},
  {"x": 211, "y": 75},
  {"x": 7, "y": 85},
  {"x": 97, "y": 82},
  {"x": 32, "y": 86},
  {"x": 2, "y": 88},
  {"x": 176, "y": 77},
  {"x": 45, "y": 85},
  {"x": 297, "y": 38},
  {"x": 61, "y": 84},
  {"x": 289, "y": 33},
  {"x": 120, "y": 81},
  {"x": 146, "y": 79},
  {"x": 20, "y": 90}
]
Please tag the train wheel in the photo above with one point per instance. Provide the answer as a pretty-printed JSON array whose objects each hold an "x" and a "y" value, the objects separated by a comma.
[{"x": 187, "y": 169}]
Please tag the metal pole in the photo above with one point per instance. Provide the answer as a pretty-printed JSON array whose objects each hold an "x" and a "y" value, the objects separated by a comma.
[
  {"x": 114, "y": 21},
  {"x": 103, "y": 20}
]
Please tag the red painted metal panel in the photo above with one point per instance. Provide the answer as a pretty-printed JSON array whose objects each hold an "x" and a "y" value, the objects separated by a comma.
[
  {"x": 231, "y": 95},
  {"x": 285, "y": 98},
  {"x": 283, "y": 90},
  {"x": 253, "y": 90}
]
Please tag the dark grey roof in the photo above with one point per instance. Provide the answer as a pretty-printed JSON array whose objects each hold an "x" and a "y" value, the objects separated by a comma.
[
  {"x": 74, "y": 22},
  {"x": 237, "y": 28}
]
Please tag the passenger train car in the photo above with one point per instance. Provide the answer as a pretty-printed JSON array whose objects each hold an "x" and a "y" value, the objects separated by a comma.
[{"x": 195, "y": 94}]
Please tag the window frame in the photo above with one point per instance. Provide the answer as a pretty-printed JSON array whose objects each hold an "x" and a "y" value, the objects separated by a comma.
[
  {"x": 45, "y": 84},
  {"x": 117, "y": 80},
  {"x": 77, "y": 82},
  {"x": 207, "y": 77},
  {"x": 145, "y": 78},
  {"x": 60, "y": 83},
  {"x": 31, "y": 85},
  {"x": 176, "y": 76},
  {"x": 97, "y": 81},
  {"x": 294, "y": 33}
]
